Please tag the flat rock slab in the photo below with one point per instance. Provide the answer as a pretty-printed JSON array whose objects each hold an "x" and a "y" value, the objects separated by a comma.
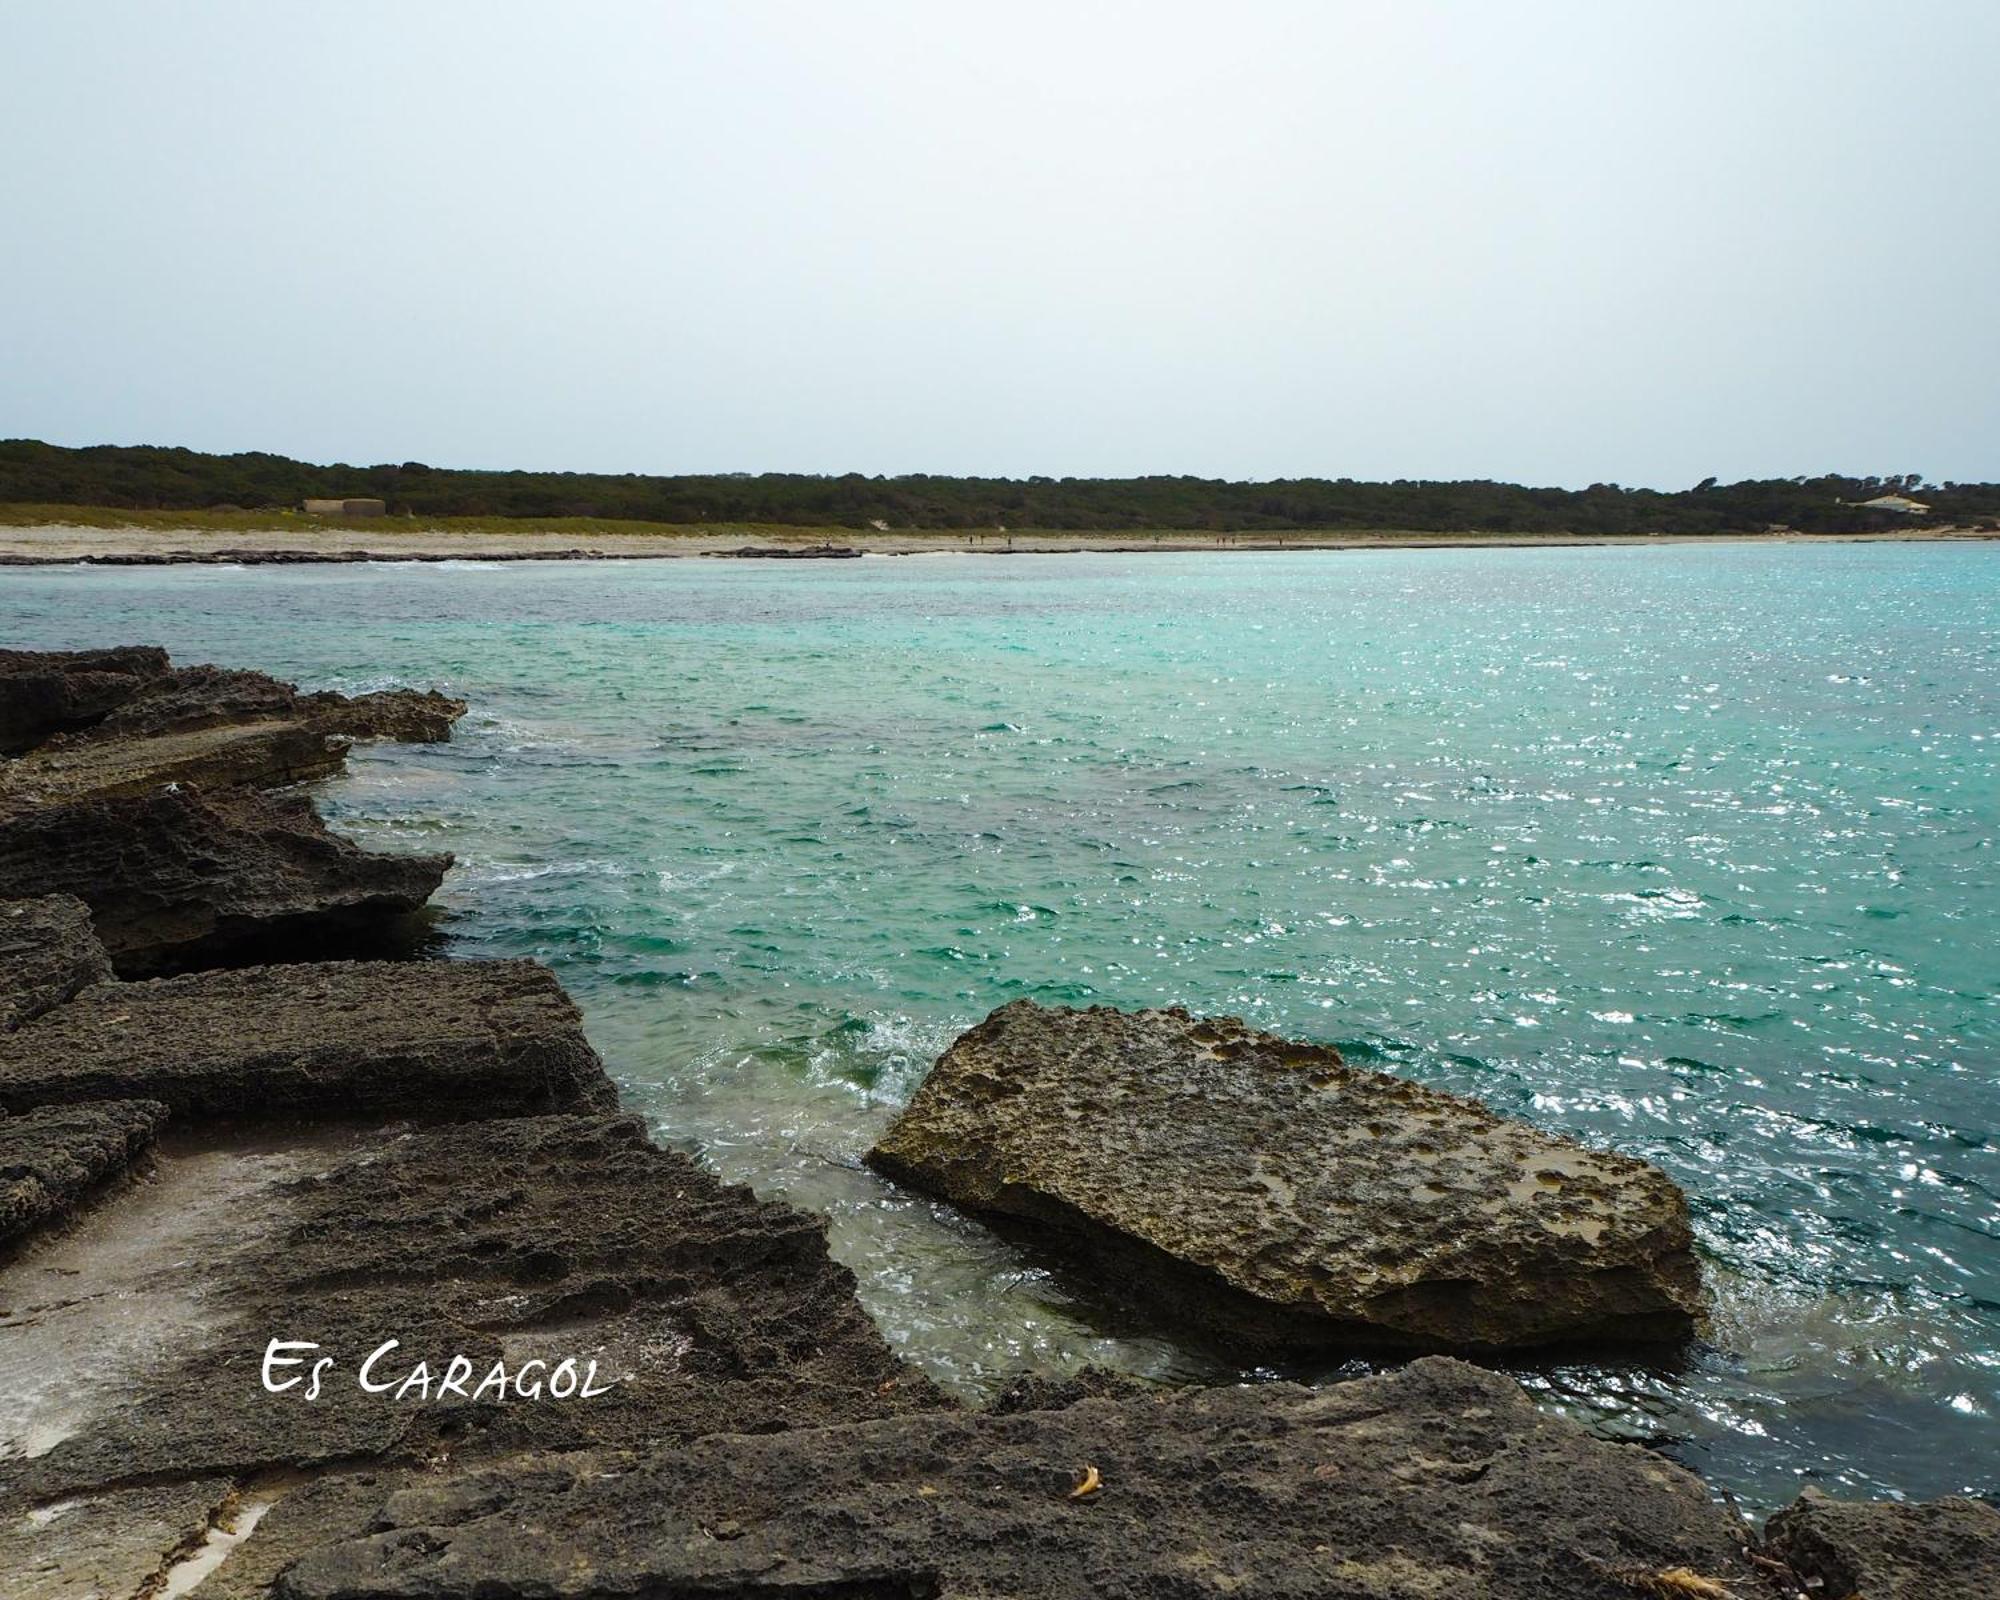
[
  {"x": 1274, "y": 1195},
  {"x": 1875, "y": 1550},
  {"x": 248, "y": 754},
  {"x": 356, "y": 1038},
  {"x": 1438, "y": 1482},
  {"x": 48, "y": 952},
  {"x": 183, "y": 877},
  {"x": 516, "y": 1240},
  {"x": 53, "y": 1157},
  {"x": 107, "y": 1547}
]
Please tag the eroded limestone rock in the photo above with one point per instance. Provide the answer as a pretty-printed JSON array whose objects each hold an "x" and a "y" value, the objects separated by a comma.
[
  {"x": 183, "y": 877},
  {"x": 47, "y": 692},
  {"x": 408, "y": 716},
  {"x": 53, "y": 1157},
  {"x": 1878, "y": 1550},
  {"x": 1275, "y": 1195},
  {"x": 48, "y": 952},
  {"x": 262, "y": 755},
  {"x": 513, "y": 1239},
  {"x": 105, "y": 1547},
  {"x": 205, "y": 696},
  {"x": 108, "y": 722},
  {"x": 1440, "y": 1480},
  {"x": 135, "y": 692},
  {"x": 353, "y": 1038}
]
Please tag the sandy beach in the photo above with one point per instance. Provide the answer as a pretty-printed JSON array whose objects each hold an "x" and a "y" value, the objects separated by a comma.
[{"x": 60, "y": 544}]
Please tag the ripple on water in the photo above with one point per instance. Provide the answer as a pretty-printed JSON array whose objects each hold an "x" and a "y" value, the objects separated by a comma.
[{"x": 1688, "y": 852}]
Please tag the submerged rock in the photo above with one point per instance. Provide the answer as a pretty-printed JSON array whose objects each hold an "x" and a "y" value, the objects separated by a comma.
[
  {"x": 1439, "y": 1481},
  {"x": 179, "y": 877},
  {"x": 1876, "y": 1550},
  {"x": 47, "y": 692},
  {"x": 48, "y": 952},
  {"x": 52, "y": 1157},
  {"x": 1275, "y": 1195},
  {"x": 356, "y": 1038}
]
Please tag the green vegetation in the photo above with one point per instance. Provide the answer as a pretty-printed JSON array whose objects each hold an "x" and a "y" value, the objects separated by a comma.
[
  {"x": 146, "y": 479},
  {"x": 246, "y": 520}
]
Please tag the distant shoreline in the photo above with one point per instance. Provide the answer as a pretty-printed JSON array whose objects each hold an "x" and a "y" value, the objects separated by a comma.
[{"x": 59, "y": 544}]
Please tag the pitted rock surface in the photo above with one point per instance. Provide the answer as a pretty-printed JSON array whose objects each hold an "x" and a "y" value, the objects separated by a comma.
[
  {"x": 1438, "y": 1482},
  {"x": 261, "y": 755},
  {"x": 1877, "y": 1550},
  {"x": 105, "y": 1547},
  {"x": 203, "y": 696},
  {"x": 48, "y": 952},
  {"x": 345, "y": 1038},
  {"x": 182, "y": 877},
  {"x": 53, "y": 1157},
  {"x": 95, "y": 723},
  {"x": 515, "y": 1239},
  {"x": 47, "y": 692},
  {"x": 1274, "y": 1194},
  {"x": 408, "y": 716}
]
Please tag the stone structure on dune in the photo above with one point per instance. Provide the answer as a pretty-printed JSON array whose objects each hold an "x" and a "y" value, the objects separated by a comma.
[
  {"x": 349, "y": 1153},
  {"x": 1275, "y": 1195}
]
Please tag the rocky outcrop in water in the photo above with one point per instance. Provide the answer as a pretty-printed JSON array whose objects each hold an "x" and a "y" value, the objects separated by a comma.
[
  {"x": 1436, "y": 1481},
  {"x": 136, "y": 691},
  {"x": 47, "y": 692},
  {"x": 431, "y": 1038},
  {"x": 136, "y": 788},
  {"x": 1275, "y": 1195},
  {"x": 408, "y": 716},
  {"x": 422, "y": 1159},
  {"x": 260, "y": 755},
  {"x": 786, "y": 552},
  {"x": 179, "y": 877},
  {"x": 206, "y": 696},
  {"x": 1875, "y": 1550}
]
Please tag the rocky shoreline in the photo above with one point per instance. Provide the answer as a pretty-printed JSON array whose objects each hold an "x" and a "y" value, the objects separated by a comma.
[{"x": 414, "y": 1178}]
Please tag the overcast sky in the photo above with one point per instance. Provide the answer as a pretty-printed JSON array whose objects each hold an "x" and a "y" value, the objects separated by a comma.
[{"x": 1535, "y": 240}]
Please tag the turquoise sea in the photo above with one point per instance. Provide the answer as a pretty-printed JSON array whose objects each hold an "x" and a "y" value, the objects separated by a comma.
[{"x": 1689, "y": 852}]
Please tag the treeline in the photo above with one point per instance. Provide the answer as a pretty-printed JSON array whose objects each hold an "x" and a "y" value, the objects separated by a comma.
[{"x": 163, "y": 479}]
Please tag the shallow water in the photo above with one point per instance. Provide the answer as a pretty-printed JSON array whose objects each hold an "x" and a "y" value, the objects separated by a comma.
[{"x": 1689, "y": 852}]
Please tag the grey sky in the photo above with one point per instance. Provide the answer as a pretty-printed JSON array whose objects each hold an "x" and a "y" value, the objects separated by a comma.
[{"x": 1544, "y": 241}]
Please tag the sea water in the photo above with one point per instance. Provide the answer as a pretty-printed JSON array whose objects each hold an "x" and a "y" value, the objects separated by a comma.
[{"x": 1686, "y": 852}]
